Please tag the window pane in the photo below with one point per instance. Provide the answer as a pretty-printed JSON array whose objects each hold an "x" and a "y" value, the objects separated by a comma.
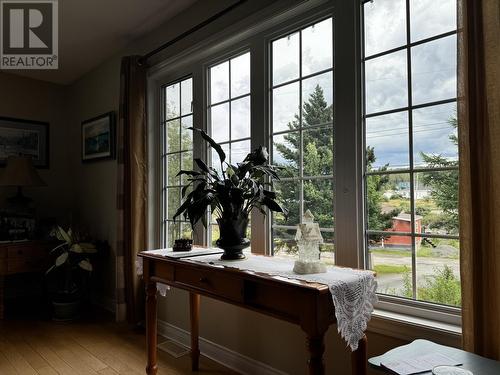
[
  {"x": 289, "y": 196},
  {"x": 318, "y": 151},
  {"x": 173, "y": 136},
  {"x": 327, "y": 248},
  {"x": 173, "y": 201},
  {"x": 386, "y": 82},
  {"x": 286, "y": 154},
  {"x": 240, "y": 118},
  {"x": 187, "y": 134},
  {"x": 215, "y": 235},
  {"x": 388, "y": 202},
  {"x": 436, "y": 202},
  {"x": 186, "y": 163},
  {"x": 173, "y": 167},
  {"x": 434, "y": 70},
  {"x": 391, "y": 258},
  {"x": 317, "y": 47},
  {"x": 430, "y": 18},
  {"x": 438, "y": 271},
  {"x": 186, "y": 231},
  {"x": 174, "y": 233},
  {"x": 435, "y": 142},
  {"x": 173, "y": 101},
  {"x": 186, "y": 96},
  {"x": 318, "y": 198},
  {"x": 286, "y": 101},
  {"x": 317, "y": 97},
  {"x": 240, "y": 75},
  {"x": 381, "y": 35},
  {"x": 387, "y": 141},
  {"x": 286, "y": 59},
  {"x": 219, "y": 82},
  {"x": 239, "y": 150},
  {"x": 220, "y": 122},
  {"x": 284, "y": 243}
]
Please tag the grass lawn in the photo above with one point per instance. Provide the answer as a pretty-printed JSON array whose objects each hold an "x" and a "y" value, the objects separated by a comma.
[{"x": 389, "y": 268}]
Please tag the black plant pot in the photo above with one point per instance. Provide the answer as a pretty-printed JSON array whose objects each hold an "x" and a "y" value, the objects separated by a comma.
[{"x": 233, "y": 237}]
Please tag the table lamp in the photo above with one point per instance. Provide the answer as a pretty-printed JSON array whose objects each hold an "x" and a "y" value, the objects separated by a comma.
[{"x": 20, "y": 173}]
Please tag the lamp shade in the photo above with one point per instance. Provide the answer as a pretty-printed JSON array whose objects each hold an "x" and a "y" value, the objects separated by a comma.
[{"x": 20, "y": 172}]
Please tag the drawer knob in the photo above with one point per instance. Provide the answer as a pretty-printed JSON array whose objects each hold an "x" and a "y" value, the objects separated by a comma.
[{"x": 203, "y": 279}]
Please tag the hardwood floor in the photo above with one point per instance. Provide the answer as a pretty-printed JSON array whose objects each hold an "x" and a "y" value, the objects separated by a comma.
[{"x": 30, "y": 347}]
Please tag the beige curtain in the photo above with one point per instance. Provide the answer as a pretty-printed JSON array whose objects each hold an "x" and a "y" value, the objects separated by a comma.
[
  {"x": 131, "y": 189},
  {"x": 479, "y": 134}
]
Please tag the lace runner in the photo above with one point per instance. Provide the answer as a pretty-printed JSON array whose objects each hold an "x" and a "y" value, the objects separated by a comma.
[{"x": 353, "y": 291}]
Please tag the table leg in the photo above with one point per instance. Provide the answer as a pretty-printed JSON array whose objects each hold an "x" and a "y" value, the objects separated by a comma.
[
  {"x": 358, "y": 358},
  {"x": 151, "y": 330},
  {"x": 194, "y": 307},
  {"x": 2, "y": 285},
  {"x": 316, "y": 348}
]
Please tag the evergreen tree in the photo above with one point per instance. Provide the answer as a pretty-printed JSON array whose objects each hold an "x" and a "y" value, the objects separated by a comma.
[
  {"x": 318, "y": 161},
  {"x": 318, "y": 146}
]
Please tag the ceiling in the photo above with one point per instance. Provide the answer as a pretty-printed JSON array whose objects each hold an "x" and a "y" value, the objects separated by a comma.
[{"x": 91, "y": 31}]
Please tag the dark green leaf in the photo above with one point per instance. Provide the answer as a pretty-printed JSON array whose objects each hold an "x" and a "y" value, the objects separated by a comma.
[
  {"x": 215, "y": 145},
  {"x": 202, "y": 165},
  {"x": 189, "y": 173}
]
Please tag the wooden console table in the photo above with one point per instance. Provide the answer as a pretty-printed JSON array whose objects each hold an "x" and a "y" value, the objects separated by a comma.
[
  {"x": 307, "y": 304},
  {"x": 21, "y": 257}
]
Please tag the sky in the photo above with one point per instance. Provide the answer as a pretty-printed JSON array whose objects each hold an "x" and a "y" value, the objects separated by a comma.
[
  {"x": 433, "y": 78},
  {"x": 307, "y": 52}
]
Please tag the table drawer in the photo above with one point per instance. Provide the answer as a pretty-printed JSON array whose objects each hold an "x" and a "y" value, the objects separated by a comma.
[
  {"x": 26, "y": 252},
  {"x": 211, "y": 282},
  {"x": 22, "y": 265}
]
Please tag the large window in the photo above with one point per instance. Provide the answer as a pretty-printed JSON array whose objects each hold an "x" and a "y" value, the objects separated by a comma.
[
  {"x": 176, "y": 154},
  {"x": 411, "y": 153},
  {"x": 381, "y": 180},
  {"x": 229, "y": 113},
  {"x": 301, "y": 95}
]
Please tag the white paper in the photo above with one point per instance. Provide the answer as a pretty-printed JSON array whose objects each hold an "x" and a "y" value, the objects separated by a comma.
[{"x": 419, "y": 364}]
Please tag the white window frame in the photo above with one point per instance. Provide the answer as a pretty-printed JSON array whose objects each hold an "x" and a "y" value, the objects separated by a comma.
[
  {"x": 255, "y": 34},
  {"x": 422, "y": 309}
]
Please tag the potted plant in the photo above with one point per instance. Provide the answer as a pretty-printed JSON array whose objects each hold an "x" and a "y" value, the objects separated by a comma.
[
  {"x": 231, "y": 195},
  {"x": 70, "y": 273}
]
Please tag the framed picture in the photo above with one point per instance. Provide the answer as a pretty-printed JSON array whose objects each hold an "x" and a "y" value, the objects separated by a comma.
[
  {"x": 24, "y": 138},
  {"x": 98, "y": 138}
]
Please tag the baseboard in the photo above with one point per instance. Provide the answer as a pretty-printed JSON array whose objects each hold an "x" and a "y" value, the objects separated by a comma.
[
  {"x": 107, "y": 303},
  {"x": 218, "y": 353}
]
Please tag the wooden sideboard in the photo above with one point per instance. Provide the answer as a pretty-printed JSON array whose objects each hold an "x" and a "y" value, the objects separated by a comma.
[{"x": 21, "y": 257}]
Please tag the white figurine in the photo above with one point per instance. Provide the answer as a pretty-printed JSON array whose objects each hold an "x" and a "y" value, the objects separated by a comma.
[{"x": 308, "y": 239}]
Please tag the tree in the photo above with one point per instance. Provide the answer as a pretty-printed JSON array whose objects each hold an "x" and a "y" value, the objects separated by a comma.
[
  {"x": 318, "y": 161},
  {"x": 318, "y": 146},
  {"x": 375, "y": 185},
  {"x": 444, "y": 186}
]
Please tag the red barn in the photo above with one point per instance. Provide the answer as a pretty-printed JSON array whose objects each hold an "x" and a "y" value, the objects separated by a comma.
[{"x": 402, "y": 223}]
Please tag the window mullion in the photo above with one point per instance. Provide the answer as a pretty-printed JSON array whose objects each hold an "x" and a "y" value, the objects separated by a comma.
[{"x": 410, "y": 140}]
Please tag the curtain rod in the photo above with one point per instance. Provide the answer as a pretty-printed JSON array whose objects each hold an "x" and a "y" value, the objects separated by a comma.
[{"x": 216, "y": 16}]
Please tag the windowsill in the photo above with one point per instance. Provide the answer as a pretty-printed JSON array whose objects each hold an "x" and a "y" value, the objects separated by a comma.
[{"x": 409, "y": 328}]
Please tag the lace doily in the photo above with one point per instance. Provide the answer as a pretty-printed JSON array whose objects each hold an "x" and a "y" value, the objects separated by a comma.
[{"x": 353, "y": 291}]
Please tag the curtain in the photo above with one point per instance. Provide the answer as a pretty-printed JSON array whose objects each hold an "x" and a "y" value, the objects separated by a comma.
[
  {"x": 479, "y": 137},
  {"x": 131, "y": 189}
]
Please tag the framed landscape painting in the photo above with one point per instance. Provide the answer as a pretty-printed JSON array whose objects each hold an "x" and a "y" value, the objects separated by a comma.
[
  {"x": 24, "y": 138},
  {"x": 98, "y": 138}
]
